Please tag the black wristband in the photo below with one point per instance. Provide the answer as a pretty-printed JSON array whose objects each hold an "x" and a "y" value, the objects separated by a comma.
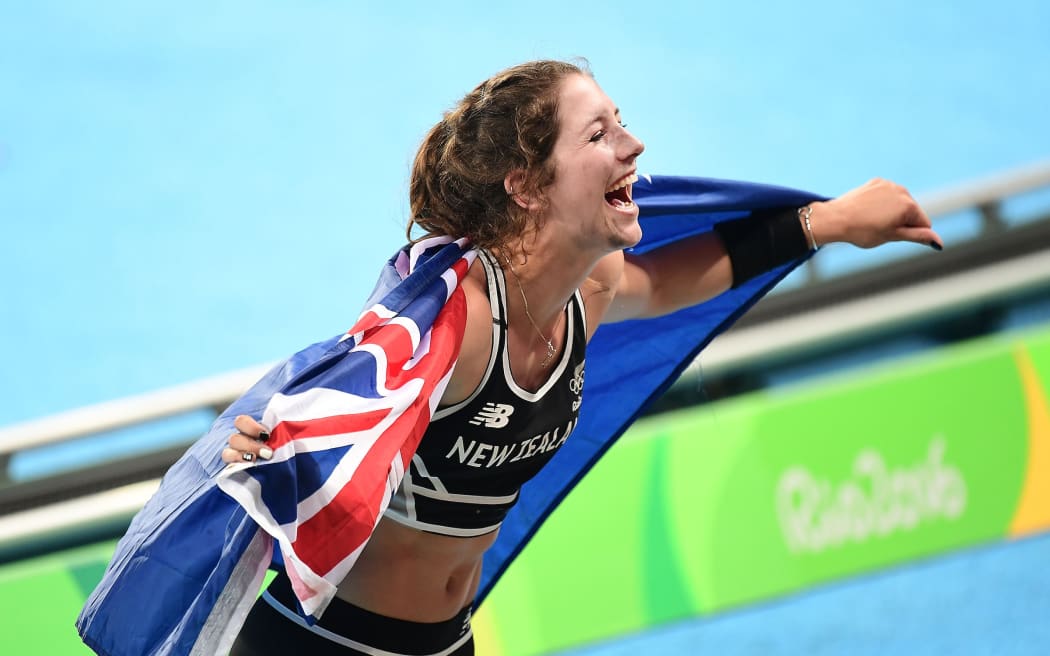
[{"x": 762, "y": 242}]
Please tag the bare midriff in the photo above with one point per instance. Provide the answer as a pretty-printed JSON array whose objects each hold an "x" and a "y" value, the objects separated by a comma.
[{"x": 411, "y": 575}]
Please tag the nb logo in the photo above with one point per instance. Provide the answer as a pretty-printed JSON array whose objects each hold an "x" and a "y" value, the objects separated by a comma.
[{"x": 493, "y": 415}]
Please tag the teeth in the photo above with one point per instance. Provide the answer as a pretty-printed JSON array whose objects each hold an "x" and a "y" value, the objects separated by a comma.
[{"x": 630, "y": 179}]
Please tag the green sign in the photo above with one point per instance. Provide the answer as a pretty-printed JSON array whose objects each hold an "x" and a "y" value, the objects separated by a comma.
[{"x": 760, "y": 496}]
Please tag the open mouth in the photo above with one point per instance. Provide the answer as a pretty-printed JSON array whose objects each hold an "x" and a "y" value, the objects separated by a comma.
[{"x": 619, "y": 194}]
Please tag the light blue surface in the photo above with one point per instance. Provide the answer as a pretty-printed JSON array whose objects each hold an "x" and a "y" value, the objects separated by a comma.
[
  {"x": 989, "y": 600},
  {"x": 188, "y": 188}
]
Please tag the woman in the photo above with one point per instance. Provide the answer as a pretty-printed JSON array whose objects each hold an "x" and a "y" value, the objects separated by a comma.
[{"x": 536, "y": 168}]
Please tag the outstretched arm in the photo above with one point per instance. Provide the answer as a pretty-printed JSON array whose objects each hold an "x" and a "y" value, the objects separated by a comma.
[{"x": 696, "y": 269}]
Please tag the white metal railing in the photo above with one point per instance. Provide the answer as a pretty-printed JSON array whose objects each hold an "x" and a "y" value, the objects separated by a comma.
[
  {"x": 213, "y": 392},
  {"x": 218, "y": 391},
  {"x": 874, "y": 313},
  {"x": 70, "y": 514},
  {"x": 987, "y": 191}
]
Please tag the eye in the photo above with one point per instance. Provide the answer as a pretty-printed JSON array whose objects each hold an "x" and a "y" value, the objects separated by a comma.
[{"x": 597, "y": 136}]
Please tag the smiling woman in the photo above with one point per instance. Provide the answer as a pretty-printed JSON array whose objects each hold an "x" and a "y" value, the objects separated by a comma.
[
  {"x": 536, "y": 167},
  {"x": 532, "y": 174}
]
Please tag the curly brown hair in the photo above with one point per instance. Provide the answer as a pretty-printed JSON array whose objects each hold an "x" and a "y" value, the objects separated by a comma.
[{"x": 509, "y": 122}]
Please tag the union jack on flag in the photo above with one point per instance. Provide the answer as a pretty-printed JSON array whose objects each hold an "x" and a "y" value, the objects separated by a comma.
[{"x": 358, "y": 425}]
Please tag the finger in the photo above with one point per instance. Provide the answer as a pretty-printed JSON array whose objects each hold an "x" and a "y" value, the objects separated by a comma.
[
  {"x": 245, "y": 444},
  {"x": 924, "y": 236},
  {"x": 242, "y": 442},
  {"x": 239, "y": 456},
  {"x": 232, "y": 456},
  {"x": 917, "y": 217},
  {"x": 252, "y": 428}
]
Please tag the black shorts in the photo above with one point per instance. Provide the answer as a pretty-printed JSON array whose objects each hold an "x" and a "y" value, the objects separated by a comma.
[{"x": 274, "y": 627}]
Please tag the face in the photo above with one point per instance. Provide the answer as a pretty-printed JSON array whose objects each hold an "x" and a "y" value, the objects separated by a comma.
[{"x": 594, "y": 161}]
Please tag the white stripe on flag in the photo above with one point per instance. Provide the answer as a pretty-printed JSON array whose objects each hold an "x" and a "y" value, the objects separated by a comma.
[{"x": 235, "y": 602}]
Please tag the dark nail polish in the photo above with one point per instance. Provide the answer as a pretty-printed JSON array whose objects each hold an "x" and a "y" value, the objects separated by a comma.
[
  {"x": 935, "y": 246},
  {"x": 264, "y": 436}
]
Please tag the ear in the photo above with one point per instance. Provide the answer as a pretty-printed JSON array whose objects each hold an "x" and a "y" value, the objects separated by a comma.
[{"x": 513, "y": 183}]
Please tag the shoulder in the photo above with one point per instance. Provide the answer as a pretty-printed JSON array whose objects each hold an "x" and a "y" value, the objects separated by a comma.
[{"x": 476, "y": 347}]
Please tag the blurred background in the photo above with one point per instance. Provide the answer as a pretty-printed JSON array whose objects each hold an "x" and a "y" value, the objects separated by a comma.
[{"x": 190, "y": 191}]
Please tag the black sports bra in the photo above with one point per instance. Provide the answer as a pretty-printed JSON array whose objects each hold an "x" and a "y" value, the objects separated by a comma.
[{"x": 476, "y": 454}]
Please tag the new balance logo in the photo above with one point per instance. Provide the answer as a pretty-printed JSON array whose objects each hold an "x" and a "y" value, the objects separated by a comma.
[{"x": 493, "y": 415}]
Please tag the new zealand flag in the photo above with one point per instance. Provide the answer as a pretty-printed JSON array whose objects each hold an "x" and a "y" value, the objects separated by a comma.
[{"x": 346, "y": 416}]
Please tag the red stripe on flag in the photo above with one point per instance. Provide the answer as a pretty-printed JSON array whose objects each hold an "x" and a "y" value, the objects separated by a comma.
[
  {"x": 347, "y": 521},
  {"x": 286, "y": 431},
  {"x": 461, "y": 267},
  {"x": 366, "y": 321},
  {"x": 396, "y": 341},
  {"x": 299, "y": 587}
]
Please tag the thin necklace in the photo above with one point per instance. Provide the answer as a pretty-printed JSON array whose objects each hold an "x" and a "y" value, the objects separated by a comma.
[{"x": 550, "y": 345}]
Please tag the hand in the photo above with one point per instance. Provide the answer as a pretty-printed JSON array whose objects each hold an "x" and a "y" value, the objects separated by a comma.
[
  {"x": 873, "y": 214},
  {"x": 248, "y": 443}
]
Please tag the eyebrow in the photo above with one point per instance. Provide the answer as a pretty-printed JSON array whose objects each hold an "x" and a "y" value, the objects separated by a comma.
[{"x": 598, "y": 117}]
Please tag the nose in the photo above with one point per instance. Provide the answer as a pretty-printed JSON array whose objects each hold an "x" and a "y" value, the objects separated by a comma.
[{"x": 632, "y": 145}]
